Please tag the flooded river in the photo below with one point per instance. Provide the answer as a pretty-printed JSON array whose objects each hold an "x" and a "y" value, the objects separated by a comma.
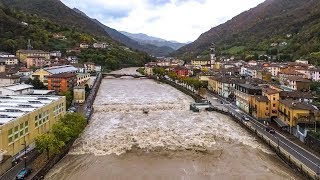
[{"x": 170, "y": 142}]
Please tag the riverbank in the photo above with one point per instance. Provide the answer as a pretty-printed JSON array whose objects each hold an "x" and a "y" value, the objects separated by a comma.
[
  {"x": 288, "y": 157},
  {"x": 44, "y": 165},
  {"x": 170, "y": 142}
]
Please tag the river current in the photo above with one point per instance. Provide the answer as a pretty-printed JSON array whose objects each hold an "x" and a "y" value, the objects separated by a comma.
[{"x": 170, "y": 142}]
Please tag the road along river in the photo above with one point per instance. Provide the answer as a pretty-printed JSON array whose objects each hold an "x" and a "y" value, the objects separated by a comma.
[{"x": 170, "y": 142}]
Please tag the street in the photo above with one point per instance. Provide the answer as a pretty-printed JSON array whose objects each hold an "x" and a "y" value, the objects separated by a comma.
[{"x": 304, "y": 156}]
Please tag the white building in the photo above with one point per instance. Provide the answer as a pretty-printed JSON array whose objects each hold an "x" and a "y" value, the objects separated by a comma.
[
  {"x": 8, "y": 59},
  {"x": 274, "y": 70},
  {"x": 315, "y": 74},
  {"x": 16, "y": 89},
  {"x": 98, "y": 68},
  {"x": 100, "y": 45},
  {"x": 8, "y": 79}
]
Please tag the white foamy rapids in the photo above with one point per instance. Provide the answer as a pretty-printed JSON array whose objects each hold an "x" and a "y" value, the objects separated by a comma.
[{"x": 118, "y": 124}]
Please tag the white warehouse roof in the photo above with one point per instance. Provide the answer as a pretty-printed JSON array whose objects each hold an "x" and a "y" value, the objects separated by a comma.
[
  {"x": 12, "y": 107},
  {"x": 61, "y": 69}
]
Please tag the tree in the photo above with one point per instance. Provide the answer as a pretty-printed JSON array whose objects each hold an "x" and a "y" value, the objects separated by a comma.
[
  {"x": 75, "y": 122},
  {"x": 315, "y": 86},
  {"x": 62, "y": 132},
  {"x": 48, "y": 143},
  {"x": 87, "y": 89},
  {"x": 69, "y": 97},
  {"x": 36, "y": 83}
]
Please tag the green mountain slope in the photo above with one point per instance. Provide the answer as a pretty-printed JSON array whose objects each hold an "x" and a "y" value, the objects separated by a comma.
[
  {"x": 56, "y": 11},
  {"x": 295, "y": 22},
  {"x": 16, "y": 27}
]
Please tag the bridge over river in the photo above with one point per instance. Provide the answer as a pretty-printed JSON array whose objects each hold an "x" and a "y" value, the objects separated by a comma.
[{"x": 123, "y": 75}]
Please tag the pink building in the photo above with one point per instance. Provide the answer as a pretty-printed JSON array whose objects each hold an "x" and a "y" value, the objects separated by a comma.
[{"x": 36, "y": 61}]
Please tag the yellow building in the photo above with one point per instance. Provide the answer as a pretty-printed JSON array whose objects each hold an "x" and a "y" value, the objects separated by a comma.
[
  {"x": 244, "y": 96},
  {"x": 261, "y": 109},
  {"x": 23, "y": 118},
  {"x": 213, "y": 84},
  {"x": 43, "y": 73},
  {"x": 79, "y": 94},
  {"x": 82, "y": 78},
  {"x": 203, "y": 64},
  {"x": 273, "y": 97},
  {"x": 23, "y": 54},
  {"x": 292, "y": 112}
]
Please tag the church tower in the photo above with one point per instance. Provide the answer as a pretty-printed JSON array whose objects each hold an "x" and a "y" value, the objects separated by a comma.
[{"x": 212, "y": 55}]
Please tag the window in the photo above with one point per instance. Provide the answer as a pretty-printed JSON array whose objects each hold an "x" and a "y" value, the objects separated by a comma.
[
  {"x": 274, "y": 98},
  {"x": 10, "y": 139},
  {"x": 16, "y": 128},
  {"x": 10, "y": 132},
  {"x": 267, "y": 108},
  {"x": 274, "y": 105}
]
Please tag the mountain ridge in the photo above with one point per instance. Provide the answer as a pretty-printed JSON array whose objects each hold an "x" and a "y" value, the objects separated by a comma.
[
  {"x": 127, "y": 41},
  {"x": 259, "y": 27},
  {"x": 146, "y": 39}
]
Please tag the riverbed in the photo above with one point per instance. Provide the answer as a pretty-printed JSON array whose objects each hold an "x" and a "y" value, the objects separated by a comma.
[{"x": 169, "y": 142}]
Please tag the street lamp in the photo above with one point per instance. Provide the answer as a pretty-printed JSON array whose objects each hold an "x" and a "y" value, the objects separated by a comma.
[{"x": 25, "y": 154}]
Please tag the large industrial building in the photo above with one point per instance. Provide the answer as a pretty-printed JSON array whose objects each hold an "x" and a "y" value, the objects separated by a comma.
[{"x": 23, "y": 118}]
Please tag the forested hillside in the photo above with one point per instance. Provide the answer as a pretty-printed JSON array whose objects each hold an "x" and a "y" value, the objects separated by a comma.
[
  {"x": 16, "y": 27},
  {"x": 283, "y": 29}
]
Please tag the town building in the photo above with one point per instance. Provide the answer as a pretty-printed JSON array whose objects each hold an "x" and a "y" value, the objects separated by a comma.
[
  {"x": 73, "y": 60},
  {"x": 261, "y": 108},
  {"x": 297, "y": 83},
  {"x": 82, "y": 78},
  {"x": 55, "y": 54},
  {"x": 274, "y": 69},
  {"x": 201, "y": 63},
  {"x": 100, "y": 45},
  {"x": 296, "y": 116},
  {"x": 8, "y": 79},
  {"x": 84, "y": 46},
  {"x": 244, "y": 96},
  {"x": 43, "y": 73},
  {"x": 37, "y": 62},
  {"x": 97, "y": 68},
  {"x": 16, "y": 89},
  {"x": 62, "y": 82},
  {"x": 89, "y": 67},
  {"x": 79, "y": 94},
  {"x": 297, "y": 96},
  {"x": 181, "y": 71},
  {"x": 9, "y": 59},
  {"x": 23, "y": 54},
  {"x": 23, "y": 118},
  {"x": 273, "y": 97},
  {"x": 315, "y": 74}
]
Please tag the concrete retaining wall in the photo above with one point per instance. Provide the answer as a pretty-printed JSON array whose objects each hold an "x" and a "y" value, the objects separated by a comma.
[{"x": 283, "y": 154}]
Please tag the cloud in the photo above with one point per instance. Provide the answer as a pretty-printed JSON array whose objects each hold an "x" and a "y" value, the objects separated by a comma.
[{"x": 181, "y": 20}]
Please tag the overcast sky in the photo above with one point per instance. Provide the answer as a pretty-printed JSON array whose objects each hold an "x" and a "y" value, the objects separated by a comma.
[{"x": 180, "y": 20}]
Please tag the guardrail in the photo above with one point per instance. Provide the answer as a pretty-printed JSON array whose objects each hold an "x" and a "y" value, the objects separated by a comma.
[
  {"x": 289, "y": 157},
  {"x": 87, "y": 108}
]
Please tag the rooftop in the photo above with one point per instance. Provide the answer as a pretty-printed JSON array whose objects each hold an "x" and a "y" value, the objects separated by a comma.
[
  {"x": 270, "y": 91},
  {"x": 17, "y": 87},
  {"x": 261, "y": 98},
  {"x": 13, "y": 107},
  {"x": 63, "y": 75},
  {"x": 31, "y": 51},
  {"x": 61, "y": 69},
  {"x": 298, "y": 105}
]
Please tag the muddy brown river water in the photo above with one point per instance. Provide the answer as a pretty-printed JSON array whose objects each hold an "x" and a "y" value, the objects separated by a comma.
[{"x": 170, "y": 142}]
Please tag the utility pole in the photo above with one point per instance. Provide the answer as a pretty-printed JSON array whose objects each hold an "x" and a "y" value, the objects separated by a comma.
[{"x": 25, "y": 154}]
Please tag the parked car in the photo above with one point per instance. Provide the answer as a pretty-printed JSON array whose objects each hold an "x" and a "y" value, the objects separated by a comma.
[
  {"x": 270, "y": 130},
  {"x": 245, "y": 118},
  {"x": 23, "y": 173}
]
